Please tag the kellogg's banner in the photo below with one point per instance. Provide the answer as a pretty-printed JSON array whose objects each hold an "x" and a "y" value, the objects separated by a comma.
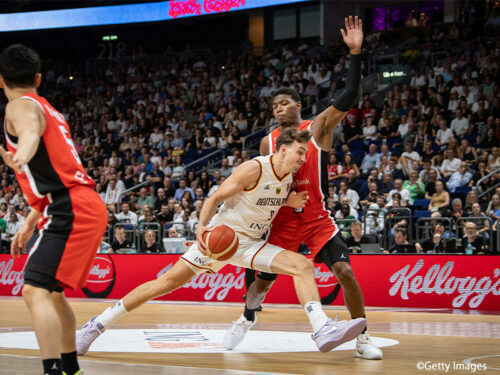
[{"x": 429, "y": 281}]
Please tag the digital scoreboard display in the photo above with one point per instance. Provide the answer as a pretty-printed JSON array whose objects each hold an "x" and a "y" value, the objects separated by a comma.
[{"x": 130, "y": 13}]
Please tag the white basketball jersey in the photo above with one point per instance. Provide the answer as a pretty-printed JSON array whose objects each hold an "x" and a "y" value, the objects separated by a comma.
[{"x": 252, "y": 211}]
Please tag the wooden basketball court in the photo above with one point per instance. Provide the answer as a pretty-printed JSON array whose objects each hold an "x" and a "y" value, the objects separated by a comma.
[{"x": 425, "y": 338}]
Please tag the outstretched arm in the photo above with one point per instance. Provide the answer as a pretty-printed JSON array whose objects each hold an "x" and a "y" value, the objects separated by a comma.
[{"x": 327, "y": 121}]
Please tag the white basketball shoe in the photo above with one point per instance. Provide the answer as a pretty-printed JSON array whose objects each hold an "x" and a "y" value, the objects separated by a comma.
[
  {"x": 87, "y": 335},
  {"x": 237, "y": 332},
  {"x": 335, "y": 333},
  {"x": 366, "y": 349}
]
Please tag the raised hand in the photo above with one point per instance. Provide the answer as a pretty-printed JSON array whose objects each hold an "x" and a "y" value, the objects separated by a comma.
[{"x": 353, "y": 34}]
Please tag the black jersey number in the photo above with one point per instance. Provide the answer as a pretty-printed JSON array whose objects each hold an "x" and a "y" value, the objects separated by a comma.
[{"x": 271, "y": 215}]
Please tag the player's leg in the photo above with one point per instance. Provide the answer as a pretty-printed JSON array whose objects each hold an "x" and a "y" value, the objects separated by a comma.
[
  {"x": 250, "y": 276},
  {"x": 47, "y": 326},
  {"x": 68, "y": 328},
  {"x": 328, "y": 334},
  {"x": 176, "y": 277},
  {"x": 262, "y": 283},
  {"x": 258, "y": 289},
  {"x": 190, "y": 264},
  {"x": 352, "y": 292},
  {"x": 256, "y": 292},
  {"x": 269, "y": 260},
  {"x": 335, "y": 255},
  {"x": 67, "y": 319},
  {"x": 63, "y": 255},
  {"x": 302, "y": 270},
  {"x": 40, "y": 281}
]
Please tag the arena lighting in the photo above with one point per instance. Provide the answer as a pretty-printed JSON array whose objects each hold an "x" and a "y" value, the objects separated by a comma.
[
  {"x": 131, "y": 13},
  {"x": 393, "y": 72},
  {"x": 108, "y": 38}
]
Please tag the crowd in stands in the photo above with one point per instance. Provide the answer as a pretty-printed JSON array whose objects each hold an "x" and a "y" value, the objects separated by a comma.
[
  {"x": 421, "y": 152},
  {"x": 427, "y": 151}
]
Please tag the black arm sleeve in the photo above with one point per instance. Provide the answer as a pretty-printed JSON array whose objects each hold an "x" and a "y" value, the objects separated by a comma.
[{"x": 344, "y": 101}]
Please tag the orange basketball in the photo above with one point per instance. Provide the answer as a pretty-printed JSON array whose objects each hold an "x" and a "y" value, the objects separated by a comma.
[{"x": 222, "y": 242}]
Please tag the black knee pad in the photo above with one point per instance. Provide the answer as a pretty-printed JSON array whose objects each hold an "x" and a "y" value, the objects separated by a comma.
[{"x": 267, "y": 276}]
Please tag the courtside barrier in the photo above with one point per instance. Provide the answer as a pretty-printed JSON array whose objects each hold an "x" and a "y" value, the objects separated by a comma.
[{"x": 423, "y": 281}]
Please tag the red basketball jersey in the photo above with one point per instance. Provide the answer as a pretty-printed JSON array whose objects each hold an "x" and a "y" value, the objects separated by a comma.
[
  {"x": 55, "y": 167},
  {"x": 273, "y": 136},
  {"x": 313, "y": 178}
]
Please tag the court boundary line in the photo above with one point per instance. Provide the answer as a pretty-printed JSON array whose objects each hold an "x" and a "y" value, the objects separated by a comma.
[
  {"x": 128, "y": 364},
  {"x": 343, "y": 308},
  {"x": 469, "y": 361},
  {"x": 4, "y": 330}
]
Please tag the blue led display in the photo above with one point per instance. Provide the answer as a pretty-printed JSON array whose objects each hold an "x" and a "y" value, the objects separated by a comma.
[{"x": 132, "y": 13}]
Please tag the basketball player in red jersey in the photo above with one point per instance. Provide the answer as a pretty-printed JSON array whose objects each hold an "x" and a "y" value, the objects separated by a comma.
[
  {"x": 314, "y": 225},
  {"x": 71, "y": 216}
]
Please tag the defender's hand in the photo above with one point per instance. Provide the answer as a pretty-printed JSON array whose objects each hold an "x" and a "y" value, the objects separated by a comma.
[
  {"x": 353, "y": 34},
  {"x": 297, "y": 200}
]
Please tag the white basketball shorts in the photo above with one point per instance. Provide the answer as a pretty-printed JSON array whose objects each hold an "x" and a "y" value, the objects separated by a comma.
[{"x": 251, "y": 253}]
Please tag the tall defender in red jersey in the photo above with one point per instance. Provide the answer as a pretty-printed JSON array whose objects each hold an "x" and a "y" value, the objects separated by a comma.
[
  {"x": 314, "y": 225},
  {"x": 71, "y": 216}
]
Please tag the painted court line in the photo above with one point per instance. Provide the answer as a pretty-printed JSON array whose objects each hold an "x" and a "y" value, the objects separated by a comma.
[
  {"x": 195, "y": 341},
  {"x": 98, "y": 367}
]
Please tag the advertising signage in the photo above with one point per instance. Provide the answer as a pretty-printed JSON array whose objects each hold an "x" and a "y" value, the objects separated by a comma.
[
  {"x": 467, "y": 282},
  {"x": 130, "y": 13}
]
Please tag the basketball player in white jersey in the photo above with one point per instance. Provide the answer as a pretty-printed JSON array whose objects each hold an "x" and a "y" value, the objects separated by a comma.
[{"x": 251, "y": 195}]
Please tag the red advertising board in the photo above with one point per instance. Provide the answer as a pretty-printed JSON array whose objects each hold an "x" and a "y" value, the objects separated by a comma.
[{"x": 429, "y": 281}]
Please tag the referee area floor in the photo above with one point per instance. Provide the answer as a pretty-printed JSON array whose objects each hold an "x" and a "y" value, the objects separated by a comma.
[{"x": 184, "y": 338}]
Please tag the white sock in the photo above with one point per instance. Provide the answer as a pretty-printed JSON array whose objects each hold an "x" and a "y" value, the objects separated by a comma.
[
  {"x": 316, "y": 316},
  {"x": 111, "y": 314}
]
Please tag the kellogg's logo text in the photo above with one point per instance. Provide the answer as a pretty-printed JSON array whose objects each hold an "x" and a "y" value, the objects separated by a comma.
[
  {"x": 218, "y": 285},
  {"x": 440, "y": 280},
  {"x": 101, "y": 278},
  {"x": 10, "y": 277}
]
